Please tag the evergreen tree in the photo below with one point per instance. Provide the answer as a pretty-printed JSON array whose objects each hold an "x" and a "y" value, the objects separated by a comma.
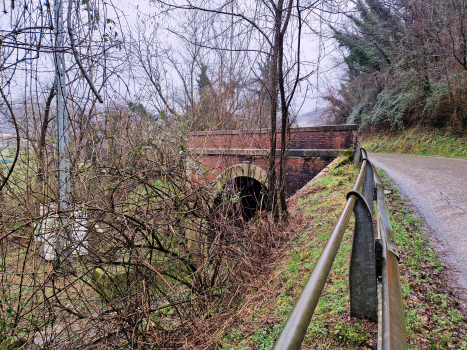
[
  {"x": 203, "y": 79},
  {"x": 138, "y": 108},
  {"x": 373, "y": 42}
]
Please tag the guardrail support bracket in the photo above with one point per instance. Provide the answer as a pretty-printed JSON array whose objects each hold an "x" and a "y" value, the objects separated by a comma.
[
  {"x": 362, "y": 272},
  {"x": 379, "y": 257}
]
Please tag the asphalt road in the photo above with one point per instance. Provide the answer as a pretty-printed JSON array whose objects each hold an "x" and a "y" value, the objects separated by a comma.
[{"x": 437, "y": 186}]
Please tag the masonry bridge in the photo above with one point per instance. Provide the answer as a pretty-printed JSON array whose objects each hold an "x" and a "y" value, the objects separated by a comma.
[{"x": 241, "y": 156}]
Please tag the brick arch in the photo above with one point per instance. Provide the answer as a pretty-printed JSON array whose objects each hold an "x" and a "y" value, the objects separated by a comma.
[{"x": 244, "y": 169}]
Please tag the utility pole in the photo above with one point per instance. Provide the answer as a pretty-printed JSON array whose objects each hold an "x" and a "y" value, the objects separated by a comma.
[{"x": 63, "y": 179}]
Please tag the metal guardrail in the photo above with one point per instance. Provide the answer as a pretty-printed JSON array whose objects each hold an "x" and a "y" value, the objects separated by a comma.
[{"x": 374, "y": 284}]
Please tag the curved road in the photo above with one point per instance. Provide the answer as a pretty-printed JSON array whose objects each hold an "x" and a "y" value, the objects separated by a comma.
[{"x": 438, "y": 188}]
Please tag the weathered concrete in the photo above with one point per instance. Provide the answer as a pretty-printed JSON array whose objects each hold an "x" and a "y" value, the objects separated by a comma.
[{"x": 438, "y": 188}]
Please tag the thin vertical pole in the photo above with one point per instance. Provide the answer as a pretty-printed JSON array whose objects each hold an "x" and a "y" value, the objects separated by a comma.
[{"x": 62, "y": 128}]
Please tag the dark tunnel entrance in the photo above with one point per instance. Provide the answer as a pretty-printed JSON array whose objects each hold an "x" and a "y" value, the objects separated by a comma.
[{"x": 247, "y": 194}]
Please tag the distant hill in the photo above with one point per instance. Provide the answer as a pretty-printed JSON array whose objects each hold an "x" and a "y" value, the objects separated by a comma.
[{"x": 6, "y": 127}]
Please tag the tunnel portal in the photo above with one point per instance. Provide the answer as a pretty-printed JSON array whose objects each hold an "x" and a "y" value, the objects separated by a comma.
[{"x": 243, "y": 196}]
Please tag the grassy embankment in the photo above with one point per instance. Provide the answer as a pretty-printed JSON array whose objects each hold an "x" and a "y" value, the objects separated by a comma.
[
  {"x": 433, "y": 318},
  {"x": 417, "y": 141}
]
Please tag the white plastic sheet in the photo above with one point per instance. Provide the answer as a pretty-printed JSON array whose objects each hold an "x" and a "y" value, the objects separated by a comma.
[{"x": 74, "y": 241}]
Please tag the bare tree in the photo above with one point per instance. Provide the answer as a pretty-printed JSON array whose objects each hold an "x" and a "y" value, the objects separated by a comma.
[
  {"x": 267, "y": 32},
  {"x": 145, "y": 257}
]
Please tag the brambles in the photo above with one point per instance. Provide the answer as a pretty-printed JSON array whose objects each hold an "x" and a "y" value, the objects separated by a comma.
[{"x": 161, "y": 265}]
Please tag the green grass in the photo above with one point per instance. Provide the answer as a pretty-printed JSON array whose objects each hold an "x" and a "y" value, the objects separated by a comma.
[
  {"x": 418, "y": 141},
  {"x": 321, "y": 205},
  {"x": 433, "y": 318}
]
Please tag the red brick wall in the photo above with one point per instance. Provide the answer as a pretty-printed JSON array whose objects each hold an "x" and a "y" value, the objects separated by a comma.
[
  {"x": 299, "y": 170},
  {"x": 324, "y": 137}
]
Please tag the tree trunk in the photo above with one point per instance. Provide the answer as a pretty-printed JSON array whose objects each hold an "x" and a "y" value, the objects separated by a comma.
[
  {"x": 273, "y": 115},
  {"x": 41, "y": 145}
]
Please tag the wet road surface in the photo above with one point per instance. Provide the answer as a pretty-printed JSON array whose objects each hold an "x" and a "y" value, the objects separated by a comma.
[{"x": 438, "y": 188}]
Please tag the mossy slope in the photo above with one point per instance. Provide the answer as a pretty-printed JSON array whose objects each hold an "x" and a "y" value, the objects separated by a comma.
[
  {"x": 429, "y": 142},
  {"x": 433, "y": 317}
]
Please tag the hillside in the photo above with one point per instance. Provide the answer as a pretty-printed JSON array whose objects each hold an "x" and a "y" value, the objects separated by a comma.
[
  {"x": 405, "y": 65},
  {"x": 421, "y": 141}
]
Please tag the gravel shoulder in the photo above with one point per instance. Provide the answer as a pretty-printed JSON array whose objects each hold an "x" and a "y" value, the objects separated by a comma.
[{"x": 437, "y": 186}]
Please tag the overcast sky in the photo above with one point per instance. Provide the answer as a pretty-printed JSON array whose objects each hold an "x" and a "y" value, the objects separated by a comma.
[{"x": 312, "y": 49}]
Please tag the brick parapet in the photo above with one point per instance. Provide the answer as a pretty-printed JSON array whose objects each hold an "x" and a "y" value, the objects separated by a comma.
[{"x": 322, "y": 137}]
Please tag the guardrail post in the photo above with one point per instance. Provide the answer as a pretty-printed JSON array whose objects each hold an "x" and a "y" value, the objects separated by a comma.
[
  {"x": 362, "y": 271},
  {"x": 357, "y": 155},
  {"x": 368, "y": 189}
]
